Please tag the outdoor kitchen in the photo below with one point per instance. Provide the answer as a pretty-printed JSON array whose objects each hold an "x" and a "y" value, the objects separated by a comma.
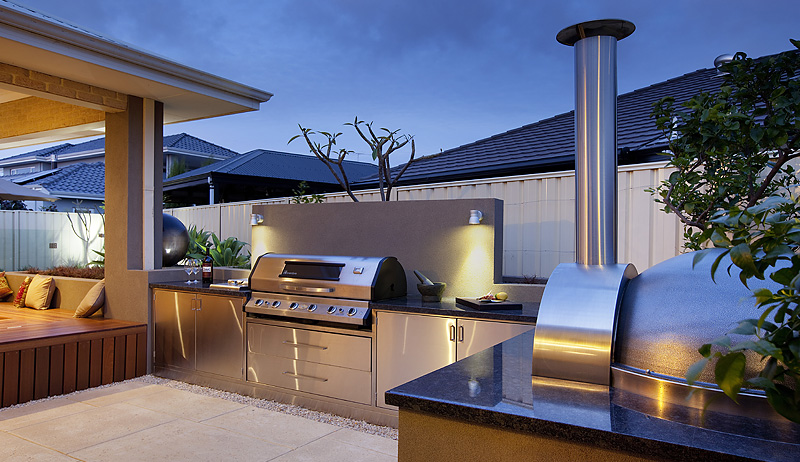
[{"x": 334, "y": 321}]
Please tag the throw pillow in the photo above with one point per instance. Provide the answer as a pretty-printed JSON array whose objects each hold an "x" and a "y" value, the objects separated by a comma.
[
  {"x": 92, "y": 301},
  {"x": 5, "y": 290},
  {"x": 40, "y": 292},
  {"x": 19, "y": 300}
]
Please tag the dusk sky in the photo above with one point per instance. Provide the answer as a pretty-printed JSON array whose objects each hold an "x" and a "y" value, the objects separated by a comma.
[{"x": 448, "y": 72}]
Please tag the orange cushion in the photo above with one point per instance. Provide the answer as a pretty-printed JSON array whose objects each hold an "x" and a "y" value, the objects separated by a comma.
[
  {"x": 92, "y": 301},
  {"x": 19, "y": 299},
  {"x": 5, "y": 290},
  {"x": 40, "y": 292}
]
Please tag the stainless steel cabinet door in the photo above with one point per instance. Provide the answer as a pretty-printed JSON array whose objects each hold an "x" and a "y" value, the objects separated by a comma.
[
  {"x": 474, "y": 336},
  {"x": 174, "y": 329},
  {"x": 220, "y": 335},
  {"x": 409, "y": 346}
]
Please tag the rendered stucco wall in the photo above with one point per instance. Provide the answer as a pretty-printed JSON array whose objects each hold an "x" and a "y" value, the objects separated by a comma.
[{"x": 433, "y": 237}]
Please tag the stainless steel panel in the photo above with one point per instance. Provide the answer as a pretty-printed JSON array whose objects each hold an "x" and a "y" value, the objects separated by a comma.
[
  {"x": 596, "y": 150},
  {"x": 361, "y": 278},
  {"x": 576, "y": 323},
  {"x": 220, "y": 335},
  {"x": 355, "y": 312},
  {"x": 312, "y": 346},
  {"x": 174, "y": 329},
  {"x": 321, "y": 379},
  {"x": 475, "y": 336},
  {"x": 409, "y": 346}
]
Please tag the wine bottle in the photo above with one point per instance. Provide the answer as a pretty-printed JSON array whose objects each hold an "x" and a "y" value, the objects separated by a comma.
[{"x": 208, "y": 268}]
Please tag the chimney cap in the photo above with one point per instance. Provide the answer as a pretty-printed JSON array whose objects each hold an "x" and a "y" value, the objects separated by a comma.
[{"x": 617, "y": 28}]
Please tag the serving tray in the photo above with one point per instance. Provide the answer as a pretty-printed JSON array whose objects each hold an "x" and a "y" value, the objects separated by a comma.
[{"x": 488, "y": 306}]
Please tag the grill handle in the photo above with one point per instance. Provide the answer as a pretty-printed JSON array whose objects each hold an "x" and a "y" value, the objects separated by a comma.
[{"x": 313, "y": 290}]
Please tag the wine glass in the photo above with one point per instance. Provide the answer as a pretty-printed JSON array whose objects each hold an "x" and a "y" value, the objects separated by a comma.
[
  {"x": 195, "y": 269},
  {"x": 187, "y": 266}
]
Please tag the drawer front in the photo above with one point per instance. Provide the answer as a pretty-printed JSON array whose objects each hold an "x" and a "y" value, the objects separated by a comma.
[
  {"x": 320, "y": 379},
  {"x": 312, "y": 346}
]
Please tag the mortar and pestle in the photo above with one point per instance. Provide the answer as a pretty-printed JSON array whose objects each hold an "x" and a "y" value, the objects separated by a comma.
[{"x": 431, "y": 291}]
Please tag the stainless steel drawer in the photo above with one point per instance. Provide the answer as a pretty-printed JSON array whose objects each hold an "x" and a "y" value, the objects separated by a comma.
[
  {"x": 312, "y": 346},
  {"x": 320, "y": 379}
]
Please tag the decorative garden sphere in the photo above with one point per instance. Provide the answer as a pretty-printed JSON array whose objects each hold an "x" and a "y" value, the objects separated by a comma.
[{"x": 175, "y": 241}]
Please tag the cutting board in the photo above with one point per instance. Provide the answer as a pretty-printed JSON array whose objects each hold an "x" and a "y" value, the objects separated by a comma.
[{"x": 488, "y": 306}]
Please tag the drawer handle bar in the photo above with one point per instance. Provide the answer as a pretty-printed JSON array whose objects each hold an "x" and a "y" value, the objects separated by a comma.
[
  {"x": 307, "y": 289},
  {"x": 286, "y": 342},
  {"x": 299, "y": 376}
]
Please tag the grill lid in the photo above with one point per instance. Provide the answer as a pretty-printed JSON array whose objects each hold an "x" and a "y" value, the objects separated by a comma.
[{"x": 356, "y": 278}]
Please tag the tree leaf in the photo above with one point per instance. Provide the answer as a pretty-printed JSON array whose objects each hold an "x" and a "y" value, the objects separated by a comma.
[
  {"x": 695, "y": 370},
  {"x": 741, "y": 257},
  {"x": 729, "y": 374}
]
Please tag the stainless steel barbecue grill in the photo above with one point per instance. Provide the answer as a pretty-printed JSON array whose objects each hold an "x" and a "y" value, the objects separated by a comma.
[{"x": 333, "y": 289}]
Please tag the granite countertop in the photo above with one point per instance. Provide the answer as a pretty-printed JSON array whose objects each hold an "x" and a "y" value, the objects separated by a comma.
[
  {"x": 449, "y": 307},
  {"x": 200, "y": 288},
  {"x": 409, "y": 304},
  {"x": 502, "y": 394}
]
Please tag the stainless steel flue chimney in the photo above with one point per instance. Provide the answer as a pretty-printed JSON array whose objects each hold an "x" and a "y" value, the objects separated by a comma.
[
  {"x": 595, "y": 45},
  {"x": 575, "y": 326}
]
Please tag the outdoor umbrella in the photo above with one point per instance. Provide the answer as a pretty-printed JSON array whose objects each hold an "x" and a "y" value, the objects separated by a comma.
[{"x": 13, "y": 192}]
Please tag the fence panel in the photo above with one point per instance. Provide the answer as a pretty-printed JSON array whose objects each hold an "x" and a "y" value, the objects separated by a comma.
[{"x": 538, "y": 232}]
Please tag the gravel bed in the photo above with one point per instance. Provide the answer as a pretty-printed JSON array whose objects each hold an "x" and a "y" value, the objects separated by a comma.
[{"x": 358, "y": 425}]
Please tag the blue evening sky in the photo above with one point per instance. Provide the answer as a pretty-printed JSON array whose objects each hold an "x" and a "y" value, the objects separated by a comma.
[{"x": 449, "y": 72}]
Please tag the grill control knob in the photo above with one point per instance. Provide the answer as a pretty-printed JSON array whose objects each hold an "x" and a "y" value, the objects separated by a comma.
[
  {"x": 312, "y": 307},
  {"x": 259, "y": 302},
  {"x": 352, "y": 312},
  {"x": 331, "y": 309},
  {"x": 293, "y": 306},
  {"x": 276, "y": 303}
]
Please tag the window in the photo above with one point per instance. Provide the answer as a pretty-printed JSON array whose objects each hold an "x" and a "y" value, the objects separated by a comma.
[{"x": 17, "y": 171}]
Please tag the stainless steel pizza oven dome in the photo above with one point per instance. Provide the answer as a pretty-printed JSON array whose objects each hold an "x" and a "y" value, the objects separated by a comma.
[{"x": 671, "y": 309}]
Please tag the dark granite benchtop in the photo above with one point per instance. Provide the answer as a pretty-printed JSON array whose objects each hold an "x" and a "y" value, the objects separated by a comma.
[
  {"x": 449, "y": 307},
  {"x": 410, "y": 304},
  {"x": 199, "y": 288},
  {"x": 494, "y": 387}
]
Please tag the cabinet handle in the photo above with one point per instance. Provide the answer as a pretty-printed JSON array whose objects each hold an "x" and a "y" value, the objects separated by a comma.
[
  {"x": 299, "y": 376},
  {"x": 199, "y": 304},
  {"x": 307, "y": 345},
  {"x": 460, "y": 333},
  {"x": 452, "y": 333}
]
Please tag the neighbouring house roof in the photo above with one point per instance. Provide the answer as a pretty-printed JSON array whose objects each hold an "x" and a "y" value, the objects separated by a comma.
[
  {"x": 260, "y": 174},
  {"x": 549, "y": 145},
  {"x": 80, "y": 181},
  {"x": 262, "y": 163},
  {"x": 179, "y": 143}
]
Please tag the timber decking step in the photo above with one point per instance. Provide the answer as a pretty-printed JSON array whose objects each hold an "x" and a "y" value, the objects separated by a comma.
[{"x": 46, "y": 353}]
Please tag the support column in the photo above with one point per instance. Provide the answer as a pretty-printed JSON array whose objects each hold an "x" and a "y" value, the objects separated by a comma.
[{"x": 134, "y": 157}]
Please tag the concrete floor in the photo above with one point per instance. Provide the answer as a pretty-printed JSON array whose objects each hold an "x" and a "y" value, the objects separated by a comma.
[{"x": 134, "y": 421}]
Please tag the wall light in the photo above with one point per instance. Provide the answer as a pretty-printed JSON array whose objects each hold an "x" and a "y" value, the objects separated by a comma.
[
  {"x": 475, "y": 217},
  {"x": 256, "y": 219}
]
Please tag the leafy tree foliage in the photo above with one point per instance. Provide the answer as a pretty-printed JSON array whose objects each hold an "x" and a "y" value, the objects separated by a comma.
[
  {"x": 733, "y": 187},
  {"x": 732, "y": 148}
]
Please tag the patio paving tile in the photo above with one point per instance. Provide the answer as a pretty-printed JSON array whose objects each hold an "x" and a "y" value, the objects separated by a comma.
[
  {"x": 13, "y": 449},
  {"x": 330, "y": 449},
  {"x": 276, "y": 427},
  {"x": 182, "y": 440},
  {"x": 42, "y": 411},
  {"x": 186, "y": 405},
  {"x": 77, "y": 431},
  {"x": 365, "y": 440},
  {"x": 117, "y": 393}
]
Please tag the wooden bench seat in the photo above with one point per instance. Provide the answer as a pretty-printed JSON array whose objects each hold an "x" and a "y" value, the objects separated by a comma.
[{"x": 46, "y": 353}]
